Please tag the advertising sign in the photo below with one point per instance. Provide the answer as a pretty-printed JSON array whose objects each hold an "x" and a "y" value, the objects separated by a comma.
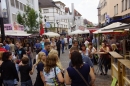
[{"x": 9, "y": 27}]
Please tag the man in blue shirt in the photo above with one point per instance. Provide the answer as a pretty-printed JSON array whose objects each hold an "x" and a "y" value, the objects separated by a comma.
[
  {"x": 86, "y": 59},
  {"x": 37, "y": 46},
  {"x": 46, "y": 48},
  {"x": 63, "y": 44},
  {"x": 6, "y": 46}
]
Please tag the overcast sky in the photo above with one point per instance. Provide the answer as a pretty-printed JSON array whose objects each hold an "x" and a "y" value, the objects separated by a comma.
[{"x": 88, "y": 8}]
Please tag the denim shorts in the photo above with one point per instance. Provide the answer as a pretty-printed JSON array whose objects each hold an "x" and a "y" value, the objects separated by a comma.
[{"x": 27, "y": 83}]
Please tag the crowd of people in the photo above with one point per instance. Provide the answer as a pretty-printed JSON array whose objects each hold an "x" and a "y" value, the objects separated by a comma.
[{"x": 18, "y": 59}]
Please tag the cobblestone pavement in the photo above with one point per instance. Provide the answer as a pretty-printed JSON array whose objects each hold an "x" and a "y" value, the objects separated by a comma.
[{"x": 100, "y": 80}]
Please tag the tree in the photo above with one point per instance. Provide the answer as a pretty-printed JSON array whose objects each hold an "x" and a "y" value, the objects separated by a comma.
[
  {"x": 20, "y": 19},
  {"x": 29, "y": 19}
]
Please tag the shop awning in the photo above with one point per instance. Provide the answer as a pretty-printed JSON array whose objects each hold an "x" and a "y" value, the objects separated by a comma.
[{"x": 108, "y": 28}]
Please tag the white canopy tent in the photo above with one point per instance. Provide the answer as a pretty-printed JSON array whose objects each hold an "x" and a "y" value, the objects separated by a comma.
[
  {"x": 79, "y": 32},
  {"x": 76, "y": 32},
  {"x": 113, "y": 25},
  {"x": 51, "y": 34}
]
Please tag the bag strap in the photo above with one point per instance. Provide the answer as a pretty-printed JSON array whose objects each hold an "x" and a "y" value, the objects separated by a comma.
[
  {"x": 55, "y": 72},
  {"x": 82, "y": 77}
]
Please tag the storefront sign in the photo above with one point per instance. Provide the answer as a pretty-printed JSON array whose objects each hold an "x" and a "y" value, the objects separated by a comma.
[{"x": 9, "y": 27}]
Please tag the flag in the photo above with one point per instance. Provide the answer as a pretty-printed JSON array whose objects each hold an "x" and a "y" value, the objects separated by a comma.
[{"x": 41, "y": 29}]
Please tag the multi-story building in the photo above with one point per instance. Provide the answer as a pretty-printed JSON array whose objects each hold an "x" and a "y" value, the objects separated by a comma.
[
  {"x": 52, "y": 12},
  {"x": 110, "y": 11},
  {"x": 15, "y": 6}
]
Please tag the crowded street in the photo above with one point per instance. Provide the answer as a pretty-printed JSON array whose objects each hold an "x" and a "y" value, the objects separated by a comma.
[{"x": 64, "y": 42}]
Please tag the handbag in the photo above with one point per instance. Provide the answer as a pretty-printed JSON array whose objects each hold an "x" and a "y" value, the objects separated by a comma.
[
  {"x": 56, "y": 81},
  {"x": 82, "y": 77}
]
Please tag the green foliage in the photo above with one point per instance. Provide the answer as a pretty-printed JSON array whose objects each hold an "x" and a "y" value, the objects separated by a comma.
[
  {"x": 20, "y": 19},
  {"x": 29, "y": 19}
]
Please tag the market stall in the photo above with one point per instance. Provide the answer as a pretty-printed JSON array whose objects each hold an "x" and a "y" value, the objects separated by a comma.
[{"x": 52, "y": 34}]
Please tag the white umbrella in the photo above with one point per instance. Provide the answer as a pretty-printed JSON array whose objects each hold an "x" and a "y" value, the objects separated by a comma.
[{"x": 51, "y": 34}]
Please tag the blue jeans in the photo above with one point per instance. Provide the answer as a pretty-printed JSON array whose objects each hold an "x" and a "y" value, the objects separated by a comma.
[
  {"x": 30, "y": 60},
  {"x": 63, "y": 45},
  {"x": 8, "y": 82},
  {"x": 27, "y": 83}
]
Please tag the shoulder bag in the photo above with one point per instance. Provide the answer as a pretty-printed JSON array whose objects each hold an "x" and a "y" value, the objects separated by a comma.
[
  {"x": 82, "y": 77},
  {"x": 56, "y": 81}
]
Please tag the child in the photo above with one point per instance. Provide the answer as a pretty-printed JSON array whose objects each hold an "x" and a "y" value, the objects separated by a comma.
[{"x": 25, "y": 70}]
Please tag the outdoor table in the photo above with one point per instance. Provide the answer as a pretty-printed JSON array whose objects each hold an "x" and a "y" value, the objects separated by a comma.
[
  {"x": 114, "y": 68},
  {"x": 122, "y": 65}
]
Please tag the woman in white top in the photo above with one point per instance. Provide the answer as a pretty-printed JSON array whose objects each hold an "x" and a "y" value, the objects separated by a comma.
[{"x": 51, "y": 71}]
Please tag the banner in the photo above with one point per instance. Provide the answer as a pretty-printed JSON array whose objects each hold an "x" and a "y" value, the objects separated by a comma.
[{"x": 10, "y": 27}]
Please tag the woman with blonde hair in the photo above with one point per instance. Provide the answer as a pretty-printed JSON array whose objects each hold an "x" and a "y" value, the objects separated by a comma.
[
  {"x": 40, "y": 62},
  {"x": 52, "y": 52},
  {"x": 114, "y": 48},
  {"x": 52, "y": 72}
]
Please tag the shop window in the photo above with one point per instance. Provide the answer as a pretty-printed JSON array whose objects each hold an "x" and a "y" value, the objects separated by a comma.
[{"x": 12, "y": 3}]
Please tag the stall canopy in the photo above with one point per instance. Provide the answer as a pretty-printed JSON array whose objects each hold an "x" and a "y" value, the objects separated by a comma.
[
  {"x": 79, "y": 32},
  {"x": 106, "y": 29},
  {"x": 51, "y": 34}
]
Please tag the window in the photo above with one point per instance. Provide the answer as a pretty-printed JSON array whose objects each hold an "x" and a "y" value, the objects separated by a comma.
[
  {"x": 56, "y": 10},
  {"x": 12, "y": 3},
  {"x": 21, "y": 6},
  {"x": 14, "y": 18},
  {"x": 125, "y": 4},
  {"x": 17, "y": 4},
  {"x": 24, "y": 7},
  {"x": 122, "y": 5},
  {"x": 47, "y": 18},
  {"x": 116, "y": 9},
  {"x": 45, "y": 10}
]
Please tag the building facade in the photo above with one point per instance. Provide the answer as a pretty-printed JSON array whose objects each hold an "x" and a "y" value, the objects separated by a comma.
[
  {"x": 53, "y": 13},
  {"x": 110, "y": 11},
  {"x": 14, "y": 6}
]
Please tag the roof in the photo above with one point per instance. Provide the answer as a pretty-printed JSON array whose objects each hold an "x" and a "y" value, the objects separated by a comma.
[
  {"x": 60, "y": 2},
  {"x": 76, "y": 13},
  {"x": 67, "y": 10},
  {"x": 46, "y": 3}
]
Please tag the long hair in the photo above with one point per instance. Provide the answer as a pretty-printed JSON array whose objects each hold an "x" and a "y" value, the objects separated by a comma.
[
  {"x": 114, "y": 47},
  {"x": 50, "y": 62},
  {"x": 40, "y": 59},
  {"x": 52, "y": 52},
  {"x": 76, "y": 59}
]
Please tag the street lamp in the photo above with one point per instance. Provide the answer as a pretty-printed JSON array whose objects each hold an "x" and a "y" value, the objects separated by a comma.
[
  {"x": 45, "y": 23},
  {"x": 57, "y": 25},
  {"x": 2, "y": 24}
]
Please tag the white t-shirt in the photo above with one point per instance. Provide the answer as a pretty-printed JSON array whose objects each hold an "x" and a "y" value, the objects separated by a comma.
[
  {"x": 49, "y": 77},
  {"x": 70, "y": 41},
  {"x": 65, "y": 39}
]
